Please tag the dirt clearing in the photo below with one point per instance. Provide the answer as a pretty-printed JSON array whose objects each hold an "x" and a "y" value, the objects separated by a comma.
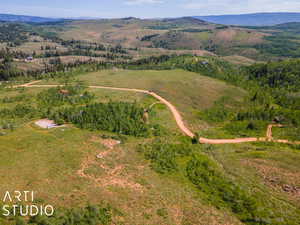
[{"x": 46, "y": 124}]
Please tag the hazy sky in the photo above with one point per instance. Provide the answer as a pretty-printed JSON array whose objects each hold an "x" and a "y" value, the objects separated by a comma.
[{"x": 143, "y": 8}]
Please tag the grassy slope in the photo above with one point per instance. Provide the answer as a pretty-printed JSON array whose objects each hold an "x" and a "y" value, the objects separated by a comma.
[
  {"x": 269, "y": 169},
  {"x": 49, "y": 161}
]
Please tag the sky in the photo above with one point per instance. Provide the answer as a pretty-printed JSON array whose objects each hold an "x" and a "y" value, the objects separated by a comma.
[{"x": 143, "y": 8}]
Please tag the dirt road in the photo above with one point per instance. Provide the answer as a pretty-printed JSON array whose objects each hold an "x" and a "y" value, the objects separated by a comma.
[
  {"x": 178, "y": 118},
  {"x": 230, "y": 141},
  {"x": 27, "y": 84}
]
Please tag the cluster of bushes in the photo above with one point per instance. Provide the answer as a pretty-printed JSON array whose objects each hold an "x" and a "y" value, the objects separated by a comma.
[
  {"x": 246, "y": 128},
  {"x": 163, "y": 155},
  {"x": 119, "y": 117},
  {"x": 18, "y": 98},
  {"x": 19, "y": 111},
  {"x": 90, "y": 215},
  {"x": 59, "y": 96},
  {"x": 223, "y": 192},
  {"x": 217, "y": 113}
]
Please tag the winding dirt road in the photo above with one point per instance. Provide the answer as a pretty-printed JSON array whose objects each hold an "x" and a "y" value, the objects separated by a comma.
[{"x": 178, "y": 118}]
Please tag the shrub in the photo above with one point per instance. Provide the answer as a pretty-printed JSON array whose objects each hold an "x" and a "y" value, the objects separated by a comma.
[{"x": 163, "y": 155}]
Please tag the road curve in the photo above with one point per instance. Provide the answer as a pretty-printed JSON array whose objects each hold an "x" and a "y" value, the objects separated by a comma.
[
  {"x": 174, "y": 111},
  {"x": 178, "y": 118}
]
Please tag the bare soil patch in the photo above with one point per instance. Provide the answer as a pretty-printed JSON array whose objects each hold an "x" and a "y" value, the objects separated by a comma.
[{"x": 113, "y": 174}]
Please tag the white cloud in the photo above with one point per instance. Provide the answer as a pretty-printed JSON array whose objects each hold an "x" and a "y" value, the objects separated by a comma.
[{"x": 141, "y": 2}]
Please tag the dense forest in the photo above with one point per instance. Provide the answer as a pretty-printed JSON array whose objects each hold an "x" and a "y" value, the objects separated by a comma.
[
  {"x": 119, "y": 117},
  {"x": 283, "y": 75}
]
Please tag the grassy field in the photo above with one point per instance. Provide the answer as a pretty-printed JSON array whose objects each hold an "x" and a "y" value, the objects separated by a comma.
[{"x": 239, "y": 60}]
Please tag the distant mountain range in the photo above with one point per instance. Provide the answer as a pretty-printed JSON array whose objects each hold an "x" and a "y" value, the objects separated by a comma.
[
  {"x": 256, "y": 19},
  {"x": 26, "y": 19}
]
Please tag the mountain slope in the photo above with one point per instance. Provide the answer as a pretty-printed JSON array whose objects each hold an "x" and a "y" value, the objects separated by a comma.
[{"x": 255, "y": 19}]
